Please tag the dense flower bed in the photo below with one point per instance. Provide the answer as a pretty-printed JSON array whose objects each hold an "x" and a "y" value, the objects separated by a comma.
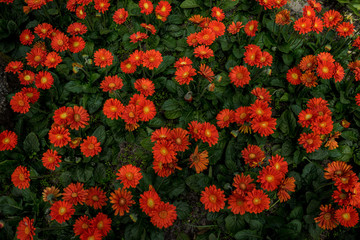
[{"x": 179, "y": 120}]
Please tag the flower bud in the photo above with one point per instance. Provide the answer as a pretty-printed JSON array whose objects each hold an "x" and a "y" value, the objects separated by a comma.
[
  {"x": 188, "y": 96},
  {"x": 211, "y": 87},
  {"x": 328, "y": 47},
  {"x": 345, "y": 123}
]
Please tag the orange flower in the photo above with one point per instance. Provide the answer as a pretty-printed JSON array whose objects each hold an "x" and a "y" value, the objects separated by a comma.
[
  {"x": 129, "y": 115},
  {"x": 164, "y": 215},
  {"x": 203, "y": 51},
  {"x": 345, "y": 29},
  {"x": 127, "y": 66},
  {"x": 129, "y": 176},
  {"x": 152, "y": 59},
  {"x": 102, "y": 223},
  {"x": 76, "y": 44},
  {"x": 217, "y": 27},
  {"x": 44, "y": 80},
  {"x": 225, "y": 117},
  {"x": 145, "y": 86},
  {"x": 308, "y": 12},
  {"x": 237, "y": 203},
  {"x": 205, "y": 36},
  {"x": 286, "y": 185},
  {"x": 79, "y": 117},
  {"x": 217, "y": 13},
  {"x": 310, "y": 141},
  {"x": 308, "y": 63},
  {"x": 74, "y": 143},
  {"x": 253, "y": 155},
  {"x": 325, "y": 70},
  {"x": 51, "y": 159},
  {"x": 165, "y": 169},
  {"x": 336, "y": 170},
  {"x": 20, "y": 103},
  {"x": 315, "y": 5},
  {"x": 264, "y": 125},
  {"x": 251, "y": 28},
  {"x": 184, "y": 74},
  {"x": 59, "y": 136},
  {"x": 163, "y": 9},
  {"x": 196, "y": 19},
  {"x": 52, "y": 60},
  {"x": 8, "y": 140},
  {"x": 25, "y": 229},
  {"x": 91, "y": 233},
  {"x": 243, "y": 183},
  {"x": 101, "y": 5},
  {"x": 263, "y": 59},
  {"x": 326, "y": 219},
  {"x": 293, "y": 76},
  {"x": 103, "y": 58},
  {"x": 262, "y": 94},
  {"x": 213, "y": 198},
  {"x": 199, "y": 160},
  {"x": 61, "y": 211},
  {"x": 14, "y": 67},
  {"x": 121, "y": 201},
  {"x": 21, "y": 177},
  {"x": 60, "y": 42},
  {"x": 35, "y": 57},
  {"x": 146, "y": 7},
  {"x": 139, "y": 36},
  {"x": 161, "y": 134},
  {"x": 148, "y": 200},
  {"x": 26, "y": 77},
  {"x": 43, "y": 30},
  {"x": 242, "y": 115},
  {"x": 111, "y": 83},
  {"x": 96, "y": 198},
  {"x": 303, "y": 25},
  {"x": 194, "y": 129},
  {"x": 180, "y": 139},
  {"x": 339, "y": 72},
  {"x": 357, "y": 99},
  {"x": 322, "y": 125},
  {"x": 347, "y": 216},
  {"x": 76, "y": 29},
  {"x": 209, "y": 133},
  {"x": 234, "y": 28},
  {"x": 192, "y": 40},
  {"x": 269, "y": 178},
  {"x": 81, "y": 225},
  {"x": 239, "y": 76},
  {"x": 317, "y": 25},
  {"x": 149, "y": 27},
  {"x": 279, "y": 164},
  {"x": 146, "y": 110},
  {"x": 260, "y": 109},
  {"x": 80, "y": 12},
  {"x": 62, "y": 115},
  {"x": 347, "y": 182},
  {"x": 32, "y": 93},
  {"x": 75, "y": 193},
  {"x": 90, "y": 146},
  {"x": 332, "y": 18},
  {"x": 164, "y": 151},
  {"x": 120, "y": 16},
  {"x": 257, "y": 201},
  {"x": 206, "y": 72},
  {"x": 282, "y": 17},
  {"x": 26, "y": 37},
  {"x": 113, "y": 108},
  {"x": 251, "y": 54},
  {"x": 136, "y": 58},
  {"x": 309, "y": 79}
]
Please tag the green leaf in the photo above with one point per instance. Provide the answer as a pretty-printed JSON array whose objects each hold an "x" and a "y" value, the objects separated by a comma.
[
  {"x": 288, "y": 59},
  {"x": 182, "y": 209},
  {"x": 173, "y": 114},
  {"x": 83, "y": 174},
  {"x": 147, "y": 144},
  {"x": 167, "y": 61},
  {"x": 296, "y": 213},
  {"x": 285, "y": 48},
  {"x": 94, "y": 103},
  {"x": 295, "y": 225},
  {"x": 197, "y": 182},
  {"x": 100, "y": 134},
  {"x": 234, "y": 223},
  {"x": 100, "y": 173},
  {"x": 53, "y": 11},
  {"x": 31, "y": 143},
  {"x": 156, "y": 122},
  {"x": 170, "y": 105},
  {"x": 320, "y": 154},
  {"x": 247, "y": 235},
  {"x": 65, "y": 178},
  {"x": 74, "y": 87},
  {"x": 229, "y": 4},
  {"x": 189, "y": 4},
  {"x": 9, "y": 206},
  {"x": 351, "y": 135}
]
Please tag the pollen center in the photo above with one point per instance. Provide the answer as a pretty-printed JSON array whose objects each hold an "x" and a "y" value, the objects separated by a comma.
[
  {"x": 62, "y": 210},
  {"x": 150, "y": 203},
  {"x": 122, "y": 201},
  {"x": 74, "y": 194},
  {"x": 129, "y": 176},
  {"x": 164, "y": 151},
  {"x": 163, "y": 214},
  {"x": 346, "y": 216},
  {"x": 256, "y": 201},
  {"x": 212, "y": 198}
]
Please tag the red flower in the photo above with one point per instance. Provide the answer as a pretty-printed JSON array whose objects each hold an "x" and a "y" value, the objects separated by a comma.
[
  {"x": 145, "y": 86},
  {"x": 345, "y": 29},
  {"x": 242, "y": 115},
  {"x": 322, "y": 125},
  {"x": 26, "y": 77},
  {"x": 225, "y": 117},
  {"x": 75, "y": 193},
  {"x": 257, "y": 201},
  {"x": 192, "y": 40},
  {"x": 129, "y": 176},
  {"x": 357, "y": 99},
  {"x": 111, "y": 83},
  {"x": 260, "y": 109},
  {"x": 209, "y": 133},
  {"x": 199, "y": 160},
  {"x": 293, "y": 76},
  {"x": 310, "y": 141},
  {"x": 51, "y": 159},
  {"x": 120, "y": 16},
  {"x": 60, "y": 42},
  {"x": 213, "y": 198},
  {"x": 43, "y": 30},
  {"x": 101, "y": 5},
  {"x": 253, "y": 155},
  {"x": 26, "y": 37},
  {"x": 163, "y": 9},
  {"x": 195, "y": 129},
  {"x": 102, "y": 223},
  {"x": 149, "y": 27},
  {"x": 217, "y": 27},
  {"x": 315, "y": 5},
  {"x": 161, "y": 134},
  {"x": 308, "y": 63},
  {"x": 237, "y": 203},
  {"x": 239, "y": 76},
  {"x": 263, "y": 59},
  {"x": 286, "y": 185},
  {"x": 152, "y": 59},
  {"x": 262, "y": 94},
  {"x": 332, "y": 18},
  {"x": 129, "y": 115},
  {"x": 59, "y": 136},
  {"x": 61, "y": 211},
  {"x": 339, "y": 72},
  {"x": 180, "y": 139},
  {"x": 35, "y": 57},
  {"x": 20, "y": 103},
  {"x": 14, "y": 67},
  {"x": 21, "y": 177},
  {"x": 76, "y": 29},
  {"x": 217, "y": 13},
  {"x": 81, "y": 225},
  {"x": 269, "y": 178},
  {"x": 308, "y": 12},
  {"x": 52, "y": 60},
  {"x": 32, "y": 93},
  {"x": 317, "y": 25},
  {"x": 80, "y": 12},
  {"x": 148, "y": 200},
  {"x": 96, "y": 198},
  {"x": 243, "y": 183},
  {"x": 264, "y": 125},
  {"x": 251, "y": 28},
  {"x": 347, "y": 216},
  {"x": 139, "y": 36},
  {"x": 79, "y": 117},
  {"x": 164, "y": 215},
  {"x": 26, "y": 229},
  {"x": 127, "y": 66},
  {"x": 103, "y": 58},
  {"x": 62, "y": 115},
  {"x": 121, "y": 201},
  {"x": 44, "y": 80},
  {"x": 279, "y": 164},
  {"x": 146, "y": 110},
  {"x": 146, "y": 7},
  {"x": 234, "y": 28},
  {"x": 252, "y": 54},
  {"x": 76, "y": 44},
  {"x": 326, "y": 219},
  {"x": 303, "y": 25},
  {"x": 90, "y": 146},
  {"x": 184, "y": 74},
  {"x": 136, "y": 58},
  {"x": 325, "y": 70},
  {"x": 203, "y": 51},
  {"x": 205, "y": 36},
  {"x": 164, "y": 151},
  {"x": 113, "y": 108},
  {"x": 8, "y": 140}
]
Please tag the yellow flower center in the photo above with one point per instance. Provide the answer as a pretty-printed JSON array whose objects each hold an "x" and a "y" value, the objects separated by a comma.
[
  {"x": 91, "y": 146},
  {"x": 37, "y": 58},
  {"x": 212, "y": 198},
  {"x": 164, "y": 151},
  {"x": 146, "y": 109},
  {"x": 62, "y": 210},
  {"x": 21, "y": 103},
  {"x": 242, "y": 186},
  {"x": 256, "y": 201},
  {"x": 122, "y": 201},
  {"x": 146, "y": 5},
  {"x": 163, "y": 214},
  {"x": 76, "y": 44},
  {"x": 150, "y": 203},
  {"x": 239, "y": 76},
  {"x": 129, "y": 176},
  {"x": 74, "y": 195},
  {"x": 252, "y": 155},
  {"x": 77, "y": 117},
  {"x": 21, "y": 177},
  {"x": 131, "y": 114},
  {"x": 44, "y": 80},
  {"x": 27, "y": 78},
  {"x": 269, "y": 178},
  {"x": 207, "y": 133},
  {"x": 346, "y": 216},
  {"x": 100, "y": 225},
  {"x": 60, "y": 42},
  {"x": 178, "y": 141},
  {"x": 6, "y": 140},
  {"x": 63, "y": 115},
  {"x": 95, "y": 198},
  {"x": 113, "y": 109},
  {"x": 27, "y": 230}
]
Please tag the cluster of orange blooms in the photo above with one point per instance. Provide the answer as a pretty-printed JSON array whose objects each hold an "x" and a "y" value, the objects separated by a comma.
[
  {"x": 317, "y": 117},
  {"x": 346, "y": 196},
  {"x": 245, "y": 197},
  {"x": 257, "y": 115}
]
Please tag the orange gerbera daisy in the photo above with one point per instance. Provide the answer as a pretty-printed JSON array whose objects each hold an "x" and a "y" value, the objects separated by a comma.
[
  {"x": 50, "y": 194},
  {"x": 32, "y": 93},
  {"x": 279, "y": 164},
  {"x": 96, "y": 198},
  {"x": 263, "y": 59},
  {"x": 194, "y": 129},
  {"x": 309, "y": 79},
  {"x": 239, "y": 76},
  {"x": 315, "y": 5},
  {"x": 196, "y": 19},
  {"x": 62, "y": 115},
  {"x": 282, "y": 17},
  {"x": 180, "y": 139},
  {"x": 25, "y": 229},
  {"x": 21, "y": 177},
  {"x": 51, "y": 159},
  {"x": 146, "y": 110},
  {"x": 26, "y": 77},
  {"x": 163, "y": 9},
  {"x": 26, "y": 37},
  {"x": 209, "y": 133},
  {"x": 44, "y": 80},
  {"x": 217, "y": 27},
  {"x": 286, "y": 185},
  {"x": 243, "y": 183},
  {"x": 76, "y": 44},
  {"x": 199, "y": 160},
  {"x": 145, "y": 86},
  {"x": 81, "y": 225},
  {"x": 137, "y": 37},
  {"x": 102, "y": 223},
  {"x": 347, "y": 182},
  {"x": 237, "y": 203},
  {"x": 303, "y": 25},
  {"x": 317, "y": 25},
  {"x": 148, "y": 200},
  {"x": 129, "y": 176},
  {"x": 357, "y": 99},
  {"x": 165, "y": 169},
  {"x": 322, "y": 125},
  {"x": 326, "y": 219},
  {"x": 146, "y": 7},
  {"x": 35, "y": 57},
  {"x": 345, "y": 29},
  {"x": 252, "y": 52},
  {"x": 253, "y": 155},
  {"x": 192, "y": 40},
  {"x": 225, "y": 117},
  {"x": 241, "y": 115},
  {"x": 251, "y": 28},
  {"x": 308, "y": 63},
  {"x": 339, "y": 72},
  {"x": 347, "y": 216},
  {"x": 206, "y": 36},
  {"x": 76, "y": 29},
  {"x": 262, "y": 94},
  {"x": 203, "y": 51},
  {"x": 120, "y": 16},
  {"x": 20, "y": 103},
  {"x": 79, "y": 117},
  {"x": 164, "y": 215},
  {"x": 60, "y": 42},
  {"x": 152, "y": 59},
  {"x": 103, "y": 58},
  {"x": 90, "y": 146},
  {"x": 75, "y": 142},
  {"x": 61, "y": 211},
  {"x": 75, "y": 193},
  {"x": 184, "y": 74},
  {"x": 91, "y": 233},
  {"x": 129, "y": 115},
  {"x": 8, "y": 140},
  {"x": 213, "y": 198},
  {"x": 136, "y": 58},
  {"x": 269, "y": 178},
  {"x": 149, "y": 27},
  {"x": 264, "y": 125},
  {"x": 310, "y": 141},
  {"x": 217, "y": 13},
  {"x": 101, "y": 5},
  {"x": 293, "y": 76},
  {"x": 164, "y": 151},
  {"x": 127, "y": 66},
  {"x": 111, "y": 83},
  {"x": 332, "y": 18},
  {"x": 52, "y": 60},
  {"x": 234, "y": 28},
  {"x": 160, "y": 134},
  {"x": 325, "y": 70},
  {"x": 206, "y": 72},
  {"x": 306, "y": 117},
  {"x": 257, "y": 201},
  {"x": 14, "y": 67},
  {"x": 260, "y": 109},
  {"x": 121, "y": 201},
  {"x": 80, "y": 12},
  {"x": 43, "y": 30},
  {"x": 113, "y": 108},
  {"x": 59, "y": 136},
  {"x": 308, "y": 12}
]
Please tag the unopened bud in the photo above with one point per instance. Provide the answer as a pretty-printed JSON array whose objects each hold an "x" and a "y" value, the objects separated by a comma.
[
  {"x": 328, "y": 47},
  {"x": 218, "y": 78},
  {"x": 211, "y": 87},
  {"x": 2, "y": 224},
  {"x": 188, "y": 96},
  {"x": 345, "y": 123}
]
